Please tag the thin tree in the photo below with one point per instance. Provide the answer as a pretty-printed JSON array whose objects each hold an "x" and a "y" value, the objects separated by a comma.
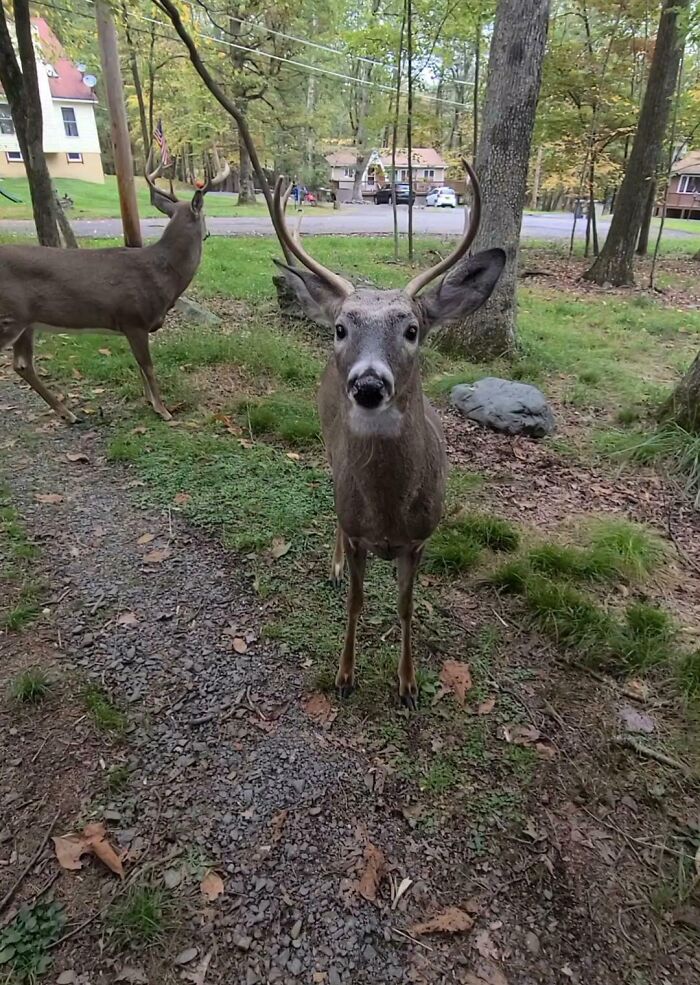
[
  {"x": 20, "y": 82},
  {"x": 615, "y": 263},
  {"x": 512, "y": 90},
  {"x": 409, "y": 121},
  {"x": 395, "y": 133}
]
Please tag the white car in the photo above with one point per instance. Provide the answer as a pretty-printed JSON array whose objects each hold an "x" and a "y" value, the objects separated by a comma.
[{"x": 443, "y": 197}]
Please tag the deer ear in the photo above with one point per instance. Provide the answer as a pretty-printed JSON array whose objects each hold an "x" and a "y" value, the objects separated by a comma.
[
  {"x": 162, "y": 202},
  {"x": 319, "y": 301},
  {"x": 464, "y": 288},
  {"x": 197, "y": 201}
]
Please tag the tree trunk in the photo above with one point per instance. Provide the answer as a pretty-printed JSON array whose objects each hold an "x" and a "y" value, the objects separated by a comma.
[
  {"x": 512, "y": 89},
  {"x": 683, "y": 406},
  {"x": 22, "y": 92},
  {"x": 138, "y": 88},
  {"x": 361, "y": 162},
  {"x": 246, "y": 188},
  {"x": 643, "y": 242},
  {"x": 615, "y": 263}
]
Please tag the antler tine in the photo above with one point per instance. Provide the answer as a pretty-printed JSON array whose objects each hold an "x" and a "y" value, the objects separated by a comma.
[
  {"x": 294, "y": 245},
  {"x": 424, "y": 278},
  {"x": 221, "y": 175},
  {"x": 151, "y": 176}
]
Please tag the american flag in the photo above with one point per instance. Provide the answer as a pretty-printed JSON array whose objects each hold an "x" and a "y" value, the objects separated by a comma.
[{"x": 159, "y": 137}]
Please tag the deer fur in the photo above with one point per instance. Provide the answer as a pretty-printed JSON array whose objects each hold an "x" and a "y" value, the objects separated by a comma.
[{"x": 124, "y": 290}]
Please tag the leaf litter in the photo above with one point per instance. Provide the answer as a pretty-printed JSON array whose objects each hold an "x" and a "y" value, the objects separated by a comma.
[
  {"x": 212, "y": 886},
  {"x": 374, "y": 867},
  {"x": 71, "y": 848},
  {"x": 453, "y": 920},
  {"x": 456, "y": 678}
]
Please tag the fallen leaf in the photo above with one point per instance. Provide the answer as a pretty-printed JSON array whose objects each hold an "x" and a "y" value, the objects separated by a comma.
[
  {"x": 636, "y": 721},
  {"x": 155, "y": 557},
  {"x": 456, "y": 676},
  {"x": 318, "y": 707},
  {"x": 450, "y": 921},
  {"x": 69, "y": 850},
  {"x": 639, "y": 690},
  {"x": 401, "y": 890},
  {"x": 127, "y": 619},
  {"x": 186, "y": 956},
  {"x": 76, "y": 374},
  {"x": 240, "y": 645},
  {"x": 486, "y": 707},
  {"x": 521, "y": 735},
  {"x": 294, "y": 455},
  {"x": 77, "y": 456},
  {"x": 199, "y": 974},
  {"x": 95, "y": 837},
  {"x": 212, "y": 886},
  {"x": 48, "y": 498},
  {"x": 372, "y": 872},
  {"x": 487, "y": 973},
  {"x": 105, "y": 352},
  {"x": 546, "y": 749},
  {"x": 135, "y": 976},
  {"x": 182, "y": 498},
  {"x": 139, "y": 430},
  {"x": 278, "y": 823},
  {"x": 697, "y": 861},
  {"x": 146, "y": 539},
  {"x": 279, "y": 548},
  {"x": 172, "y": 878},
  {"x": 484, "y": 945}
]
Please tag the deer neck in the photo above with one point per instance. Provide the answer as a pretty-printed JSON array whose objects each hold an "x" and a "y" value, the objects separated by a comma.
[
  {"x": 182, "y": 251},
  {"x": 397, "y": 439}
]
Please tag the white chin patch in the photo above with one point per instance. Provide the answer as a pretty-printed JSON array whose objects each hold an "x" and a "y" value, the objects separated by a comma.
[{"x": 384, "y": 422}]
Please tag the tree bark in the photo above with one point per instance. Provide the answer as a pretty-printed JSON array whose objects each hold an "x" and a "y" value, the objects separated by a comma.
[
  {"x": 138, "y": 87},
  {"x": 246, "y": 187},
  {"x": 21, "y": 88},
  {"x": 512, "y": 90},
  {"x": 683, "y": 406},
  {"x": 643, "y": 242},
  {"x": 615, "y": 264}
]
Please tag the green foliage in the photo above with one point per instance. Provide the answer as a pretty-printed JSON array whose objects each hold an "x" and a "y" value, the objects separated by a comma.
[
  {"x": 689, "y": 674},
  {"x": 19, "y": 603},
  {"x": 457, "y": 544},
  {"x": 25, "y": 941},
  {"x": 673, "y": 445},
  {"x": 105, "y": 715},
  {"x": 142, "y": 915},
  {"x": 32, "y": 686},
  {"x": 285, "y": 415}
]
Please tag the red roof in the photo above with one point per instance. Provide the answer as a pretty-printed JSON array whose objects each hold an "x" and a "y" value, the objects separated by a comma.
[{"x": 69, "y": 81}]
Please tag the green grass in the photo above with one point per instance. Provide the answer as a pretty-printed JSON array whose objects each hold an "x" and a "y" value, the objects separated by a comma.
[
  {"x": 32, "y": 686},
  {"x": 671, "y": 445},
  {"x": 26, "y": 941},
  {"x": 117, "y": 778},
  {"x": 458, "y": 543},
  {"x": 284, "y": 415},
  {"x": 143, "y": 915},
  {"x": 19, "y": 588},
  {"x": 105, "y": 715}
]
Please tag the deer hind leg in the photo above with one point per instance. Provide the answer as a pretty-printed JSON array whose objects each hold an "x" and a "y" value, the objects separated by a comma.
[
  {"x": 23, "y": 363},
  {"x": 338, "y": 560},
  {"x": 406, "y": 568},
  {"x": 138, "y": 342},
  {"x": 357, "y": 560}
]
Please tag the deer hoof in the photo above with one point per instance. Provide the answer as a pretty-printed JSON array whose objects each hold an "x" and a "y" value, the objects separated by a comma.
[
  {"x": 336, "y": 577},
  {"x": 410, "y": 699},
  {"x": 345, "y": 685}
]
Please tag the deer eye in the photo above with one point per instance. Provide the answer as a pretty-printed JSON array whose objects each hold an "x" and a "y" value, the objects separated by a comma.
[
  {"x": 411, "y": 333},
  {"x": 340, "y": 332}
]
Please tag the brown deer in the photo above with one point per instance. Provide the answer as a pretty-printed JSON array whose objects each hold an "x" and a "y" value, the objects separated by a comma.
[
  {"x": 128, "y": 291},
  {"x": 384, "y": 441}
]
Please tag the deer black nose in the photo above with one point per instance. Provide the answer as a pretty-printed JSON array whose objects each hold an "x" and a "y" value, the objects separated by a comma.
[{"x": 368, "y": 391}]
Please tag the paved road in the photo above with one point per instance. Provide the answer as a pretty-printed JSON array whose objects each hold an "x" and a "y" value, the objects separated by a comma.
[{"x": 367, "y": 220}]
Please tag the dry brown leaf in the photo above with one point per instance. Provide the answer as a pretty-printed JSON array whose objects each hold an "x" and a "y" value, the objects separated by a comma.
[
  {"x": 487, "y": 973},
  {"x": 182, "y": 498},
  {"x": 450, "y": 921},
  {"x": 139, "y": 430},
  {"x": 146, "y": 539},
  {"x": 240, "y": 645},
  {"x": 456, "y": 676},
  {"x": 51, "y": 498},
  {"x": 105, "y": 352},
  {"x": 485, "y": 945},
  {"x": 294, "y": 455},
  {"x": 278, "y": 823},
  {"x": 521, "y": 735},
  {"x": 212, "y": 886},
  {"x": 95, "y": 837},
  {"x": 279, "y": 548},
  {"x": 372, "y": 872},
  {"x": 77, "y": 456},
  {"x": 318, "y": 707},
  {"x": 155, "y": 557},
  {"x": 127, "y": 619},
  {"x": 69, "y": 850},
  {"x": 486, "y": 707}
]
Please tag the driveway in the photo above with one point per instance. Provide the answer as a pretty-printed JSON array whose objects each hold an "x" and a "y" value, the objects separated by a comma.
[{"x": 357, "y": 220}]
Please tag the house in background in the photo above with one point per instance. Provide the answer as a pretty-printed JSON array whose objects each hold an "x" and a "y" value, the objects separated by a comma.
[
  {"x": 683, "y": 200},
  {"x": 428, "y": 171},
  {"x": 71, "y": 143}
]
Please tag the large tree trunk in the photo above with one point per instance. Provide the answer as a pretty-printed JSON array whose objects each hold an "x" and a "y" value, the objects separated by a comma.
[
  {"x": 512, "y": 89},
  {"x": 138, "y": 87},
  {"x": 246, "y": 188},
  {"x": 22, "y": 92},
  {"x": 615, "y": 263},
  {"x": 683, "y": 406}
]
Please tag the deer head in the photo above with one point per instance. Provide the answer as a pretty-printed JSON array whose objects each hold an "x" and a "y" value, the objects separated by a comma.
[
  {"x": 378, "y": 332},
  {"x": 187, "y": 213}
]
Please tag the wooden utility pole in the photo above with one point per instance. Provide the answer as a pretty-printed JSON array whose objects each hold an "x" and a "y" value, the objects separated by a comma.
[
  {"x": 536, "y": 179},
  {"x": 114, "y": 87}
]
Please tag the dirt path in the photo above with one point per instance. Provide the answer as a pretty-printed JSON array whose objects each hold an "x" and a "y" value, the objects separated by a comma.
[{"x": 230, "y": 768}]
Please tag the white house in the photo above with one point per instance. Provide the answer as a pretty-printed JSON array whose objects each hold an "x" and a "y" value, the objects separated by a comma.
[
  {"x": 71, "y": 143},
  {"x": 428, "y": 170}
]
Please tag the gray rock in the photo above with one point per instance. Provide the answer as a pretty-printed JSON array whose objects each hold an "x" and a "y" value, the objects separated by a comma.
[
  {"x": 505, "y": 405},
  {"x": 195, "y": 313}
]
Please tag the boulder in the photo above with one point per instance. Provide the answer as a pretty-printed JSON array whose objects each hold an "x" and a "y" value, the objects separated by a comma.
[
  {"x": 505, "y": 405},
  {"x": 195, "y": 313}
]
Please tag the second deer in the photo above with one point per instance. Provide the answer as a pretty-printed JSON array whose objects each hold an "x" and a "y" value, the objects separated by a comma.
[{"x": 384, "y": 441}]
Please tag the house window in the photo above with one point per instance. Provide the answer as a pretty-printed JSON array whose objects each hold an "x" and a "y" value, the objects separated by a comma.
[
  {"x": 689, "y": 184},
  {"x": 6, "y": 124},
  {"x": 403, "y": 174},
  {"x": 429, "y": 173},
  {"x": 14, "y": 156},
  {"x": 73, "y": 157},
  {"x": 348, "y": 172},
  {"x": 69, "y": 122}
]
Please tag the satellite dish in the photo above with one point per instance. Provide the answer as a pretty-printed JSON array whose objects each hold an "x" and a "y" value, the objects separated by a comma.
[
  {"x": 90, "y": 81},
  {"x": 81, "y": 68},
  {"x": 51, "y": 72}
]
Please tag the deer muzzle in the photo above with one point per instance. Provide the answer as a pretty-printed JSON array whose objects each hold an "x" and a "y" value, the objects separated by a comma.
[{"x": 371, "y": 389}]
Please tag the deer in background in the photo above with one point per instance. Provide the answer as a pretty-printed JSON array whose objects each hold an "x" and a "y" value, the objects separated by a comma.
[
  {"x": 124, "y": 290},
  {"x": 384, "y": 441}
]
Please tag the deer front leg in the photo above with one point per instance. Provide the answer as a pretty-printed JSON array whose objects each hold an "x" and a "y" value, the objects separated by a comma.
[
  {"x": 338, "y": 560},
  {"x": 406, "y": 568},
  {"x": 357, "y": 559},
  {"x": 138, "y": 342},
  {"x": 23, "y": 364}
]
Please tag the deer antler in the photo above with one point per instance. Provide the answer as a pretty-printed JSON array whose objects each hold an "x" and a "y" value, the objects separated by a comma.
[
  {"x": 151, "y": 176},
  {"x": 221, "y": 175},
  {"x": 294, "y": 245},
  {"x": 426, "y": 276}
]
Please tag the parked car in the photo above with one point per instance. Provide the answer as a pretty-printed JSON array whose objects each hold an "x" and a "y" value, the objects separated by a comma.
[
  {"x": 383, "y": 196},
  {"x": 443, "y": 197}
]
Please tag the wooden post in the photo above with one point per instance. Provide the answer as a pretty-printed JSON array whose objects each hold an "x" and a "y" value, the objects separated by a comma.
[
  {"x": 114, "y": 87},
  {"x": 536, "y": 179}
]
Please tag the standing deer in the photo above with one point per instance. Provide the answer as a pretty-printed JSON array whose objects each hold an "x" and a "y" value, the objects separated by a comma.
[
  {"x": 384, "y": 441},
  {"x": 123, "y": 290}
]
